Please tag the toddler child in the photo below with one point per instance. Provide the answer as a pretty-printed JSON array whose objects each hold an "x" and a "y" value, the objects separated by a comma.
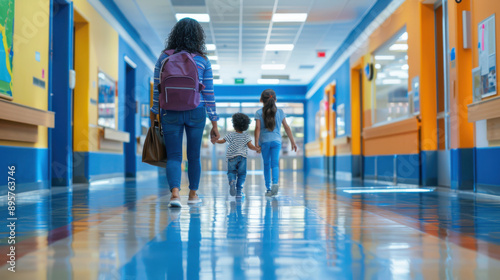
[
  {"x": 236, "y": 153},
  {"x": 270, "y": 118}
]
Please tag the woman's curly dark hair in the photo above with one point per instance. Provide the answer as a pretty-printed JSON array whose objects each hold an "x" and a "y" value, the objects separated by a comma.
[
  {"x": 241, "y": 122},
  {"x": 187, "y": 35}
]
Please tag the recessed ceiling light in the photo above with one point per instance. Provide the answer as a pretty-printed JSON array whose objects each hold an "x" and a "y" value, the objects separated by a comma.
[
  {"x": 404, "y": 37},
  {"x": 210, "y": 47},
  {"x": 273, "y": 66},
  {"x": 268, "y": 81},
  {"x": 405, "y": 67},
  {"x": 198, "y": 17},
  {"x": 385, "y": 57},
  {"x": 378, "y": 66},
  {"x": 217, "y": 81},
  {"x": 279, "y": 47},
  {"x": 215, "y": 66},
  {"x": 289, "y": 17},
  {"x": 212, "y": 57},
  {"x": 399, "y": 47}
]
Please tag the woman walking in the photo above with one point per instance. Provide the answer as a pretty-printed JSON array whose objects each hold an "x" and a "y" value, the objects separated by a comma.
[{"x": 183, "y": 96}]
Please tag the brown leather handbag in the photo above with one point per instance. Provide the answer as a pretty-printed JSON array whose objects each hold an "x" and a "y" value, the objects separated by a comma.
[{"x": 154, "y": 151}]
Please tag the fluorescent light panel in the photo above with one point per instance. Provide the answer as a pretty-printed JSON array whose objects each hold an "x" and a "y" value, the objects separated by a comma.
[
  {"x": 198, "y": 17},
  {"x": 391, "y": 82},
  {"x": 210, "y": 47},
  {"x": 268, "y": 81},
  {"x": 392, "y": 190},
  {"x": 385, "y": 57},
  {"x": 404, "y": 37},
  {"x": 279, "y": 47},
  {"x": 215, "y": 66},
  {"x": 399, "y": 47},
  {"x": 273, "y": 66},
  {"x": 213, "y": 57},
  {"x": 289, "y": 17}
]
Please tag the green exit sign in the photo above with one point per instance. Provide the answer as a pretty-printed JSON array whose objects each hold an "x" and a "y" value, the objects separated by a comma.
[{"x": 239, "y": 81}]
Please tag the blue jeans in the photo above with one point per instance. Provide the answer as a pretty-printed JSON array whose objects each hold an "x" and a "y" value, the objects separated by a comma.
[
  {"x": 237, "y": 167},
  {"x": 271, "y": 157},
  {"x": 174, "y": 123}
]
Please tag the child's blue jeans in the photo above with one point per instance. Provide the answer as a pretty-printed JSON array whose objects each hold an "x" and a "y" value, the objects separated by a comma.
[
  {"x": 237, "y": 170},
  {"x": 271, "y": 157}
]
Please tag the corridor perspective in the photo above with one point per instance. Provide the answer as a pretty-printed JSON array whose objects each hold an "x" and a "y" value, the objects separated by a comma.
[{"x": 238, "y": 139}]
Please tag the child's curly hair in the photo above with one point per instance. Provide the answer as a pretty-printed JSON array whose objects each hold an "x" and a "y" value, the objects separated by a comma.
[{"x": 241, "y": 122}]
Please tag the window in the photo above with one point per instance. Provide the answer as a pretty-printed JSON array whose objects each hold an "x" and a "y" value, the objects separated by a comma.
[{"x": 391, "y": 81}]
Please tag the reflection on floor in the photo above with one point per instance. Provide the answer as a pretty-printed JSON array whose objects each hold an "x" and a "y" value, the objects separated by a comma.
[{"x": 120, "y": 229}]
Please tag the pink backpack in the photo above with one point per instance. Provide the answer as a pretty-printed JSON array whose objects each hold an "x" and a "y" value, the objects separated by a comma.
[{"x": 179, "y": 85}]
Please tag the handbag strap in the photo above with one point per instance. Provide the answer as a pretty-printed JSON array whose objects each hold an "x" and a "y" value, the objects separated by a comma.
[{"x": 157, "y": 124}]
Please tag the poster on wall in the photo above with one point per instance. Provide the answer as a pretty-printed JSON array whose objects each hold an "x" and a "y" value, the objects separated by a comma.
[
  {"x": 6, "y": 47},
  {"x": 106, "y": 105},
  {"x": 340, "y": 119},
  {"x": 477, "y": 86},
  {"x": 487, "y": 56}
]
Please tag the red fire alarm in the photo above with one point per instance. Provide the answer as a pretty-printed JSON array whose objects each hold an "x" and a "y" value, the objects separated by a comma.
[{"x": 321, "y": 53}]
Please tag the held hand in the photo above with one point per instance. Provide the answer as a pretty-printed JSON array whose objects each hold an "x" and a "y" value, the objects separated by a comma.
[
  {"x": 259, "y": 150},
  {"x": 214, "y": 134},
  {"x": 294, "y": 147}
]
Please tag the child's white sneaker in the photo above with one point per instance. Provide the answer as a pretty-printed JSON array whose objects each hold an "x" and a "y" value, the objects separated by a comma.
[
  {"x": 269, "y": 193},
  {"x": 232, "y": 188},
  {"x": 274, "y": 189}
]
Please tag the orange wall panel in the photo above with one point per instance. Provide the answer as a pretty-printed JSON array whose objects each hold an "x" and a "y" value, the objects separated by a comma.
[
  {"x": 355, "y": 112},
  {"x": 428, "y": 88},
  {"x": 406, "y": 143},
  {"x": 460, "y": 92}
]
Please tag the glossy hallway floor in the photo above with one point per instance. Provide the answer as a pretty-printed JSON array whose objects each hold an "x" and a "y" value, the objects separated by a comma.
[{"x": 118, "y": 229}]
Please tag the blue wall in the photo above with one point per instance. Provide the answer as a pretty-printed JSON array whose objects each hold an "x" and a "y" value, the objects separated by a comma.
[
  {"x": 61, "y": 136},
  {"x": 143, "y": 76},
  {"x": 32, "y": 171},
  {"x": 342, "y": 77},
  {"x": 251, "y": 93},
  {"x": 487, "y": 170}
]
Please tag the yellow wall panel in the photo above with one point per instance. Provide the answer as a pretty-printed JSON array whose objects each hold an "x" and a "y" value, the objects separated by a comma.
[
  {"x": 103, "y": 44},
  {"x": 81, "y": 92}
]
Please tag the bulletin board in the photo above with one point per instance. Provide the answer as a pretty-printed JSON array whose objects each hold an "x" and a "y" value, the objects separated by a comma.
[
  {"x": 487, "y": 56},
  {"x": 6, "y": 47}
]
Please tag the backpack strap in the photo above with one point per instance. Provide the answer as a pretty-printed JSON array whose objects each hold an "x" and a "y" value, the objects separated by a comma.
[{"x": 169, "y": 52}]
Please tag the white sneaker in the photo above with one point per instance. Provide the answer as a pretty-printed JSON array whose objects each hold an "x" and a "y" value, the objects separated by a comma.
[
  {"x": 232, "y": 188},
  {"x": 194, "y": 201},
  {"x": 176, "y": 202},
  {"x": 274, "y": 189}
]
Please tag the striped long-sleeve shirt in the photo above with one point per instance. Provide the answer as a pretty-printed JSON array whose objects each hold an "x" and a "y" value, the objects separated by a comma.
[{"x": 206, "y": 78}]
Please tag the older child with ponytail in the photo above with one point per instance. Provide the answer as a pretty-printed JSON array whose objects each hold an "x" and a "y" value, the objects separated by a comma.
[{"x": 270, "y": 118}]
